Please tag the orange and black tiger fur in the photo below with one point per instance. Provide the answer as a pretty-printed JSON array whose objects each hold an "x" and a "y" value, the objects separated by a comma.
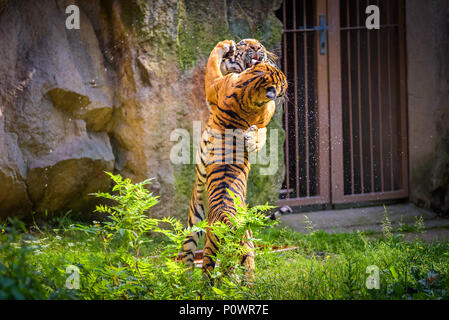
[
  {"x": 238, "y": 102},
  {"x": 248, "y": 53}
]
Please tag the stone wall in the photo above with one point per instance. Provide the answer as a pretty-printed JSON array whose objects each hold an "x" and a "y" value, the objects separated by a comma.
[
  {"x": 76, "y": 103},
  {"x": 427, "y": 25}
]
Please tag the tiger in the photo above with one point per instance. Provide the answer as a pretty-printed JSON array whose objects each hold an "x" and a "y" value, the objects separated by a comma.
[{"x": 245, "y": 103}]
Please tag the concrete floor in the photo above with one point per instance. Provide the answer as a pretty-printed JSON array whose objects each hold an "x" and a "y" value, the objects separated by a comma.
[{"x": 369, "y": 218}]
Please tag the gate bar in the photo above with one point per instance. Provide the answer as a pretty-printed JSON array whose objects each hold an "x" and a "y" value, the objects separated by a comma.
[
  {"x": 295, "y": 73},
  {"x": 306, "y": 103},
  {"x": 359, "y": 88},
  {"x": 351, "y": 135},
  {"x": 286, "y": 108},
  {"x": 335, "y": 100},
  {"x": 390, "y": 116},
  {"x": 370, "y": 104},
  {"x": 403, "y": 99},
  {"x": 379, "y": 102}
]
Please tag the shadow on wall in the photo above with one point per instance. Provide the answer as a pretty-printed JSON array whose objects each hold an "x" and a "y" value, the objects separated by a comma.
[{"x": 431, "y": 180}]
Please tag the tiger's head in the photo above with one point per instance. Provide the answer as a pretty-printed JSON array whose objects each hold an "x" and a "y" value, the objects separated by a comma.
[
  {"x": 248, "y": 53},
  {"x": 261, "y": 84}
]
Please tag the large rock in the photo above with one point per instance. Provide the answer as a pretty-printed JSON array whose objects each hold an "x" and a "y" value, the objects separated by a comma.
[
  {"x": 56, "y": 95},
  {"x": 13, "y": 190}
]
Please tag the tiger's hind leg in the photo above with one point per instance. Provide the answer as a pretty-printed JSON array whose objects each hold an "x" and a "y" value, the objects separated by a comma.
[
  {"x": 209, "y": 254},
  {"x": 196, "y": 215},
  {"x": 197, "y": 203},
  {"x": 247, "y": 260}
]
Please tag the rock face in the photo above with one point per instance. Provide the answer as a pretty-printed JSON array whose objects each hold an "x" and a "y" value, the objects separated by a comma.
[
  {"x": 75, "y": 103},
  {"x": 53, "y": 119}
]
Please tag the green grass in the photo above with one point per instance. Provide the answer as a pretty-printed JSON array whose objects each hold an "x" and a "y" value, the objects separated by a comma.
[
  {"x": 115, "y": 258},
  {"x": 339, "y": 271},
  {"x": 326, "y": 266}
]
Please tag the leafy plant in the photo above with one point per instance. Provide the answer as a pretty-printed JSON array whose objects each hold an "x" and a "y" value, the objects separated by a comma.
[
  {"x": 127, "y": 218},
  {"x": 419, "y": 224},
  {"x": 17, "y": 280},
  {"x": 387, "y": 228},
  {"x": 125, "y": 233},
  {"x": 309, "y": 225}
]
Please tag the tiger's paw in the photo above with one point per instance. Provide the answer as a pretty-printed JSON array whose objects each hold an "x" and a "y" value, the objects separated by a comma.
[
  {"x": 255, "y": 138},
  {"x": 226, "y": 48}
]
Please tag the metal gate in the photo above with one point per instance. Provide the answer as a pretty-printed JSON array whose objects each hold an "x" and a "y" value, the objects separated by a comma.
[{"x": 345, "y": 112}]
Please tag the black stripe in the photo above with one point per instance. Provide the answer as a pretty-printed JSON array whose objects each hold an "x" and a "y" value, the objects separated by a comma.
[
  {"x": 191, "y": 240},
  {"x": 233, "y": 115}
]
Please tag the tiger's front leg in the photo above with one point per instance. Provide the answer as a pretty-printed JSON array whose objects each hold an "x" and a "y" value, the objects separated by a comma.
[
  {"x": 213, "y": 70},
  {"x": 255, "y": 138}
]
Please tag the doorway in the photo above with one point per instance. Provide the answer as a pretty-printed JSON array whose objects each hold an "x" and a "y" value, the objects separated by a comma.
[{"x": 345, "y": 112}]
